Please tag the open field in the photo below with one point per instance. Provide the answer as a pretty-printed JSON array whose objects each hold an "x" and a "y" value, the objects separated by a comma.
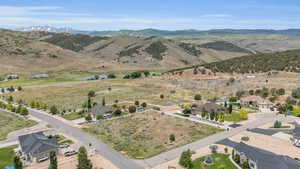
[
  {"x": 218, "y": 159},
  {"x": 73, "y": 96},
  {"x": 146, "y": 134},
  {"x": 6, "y": 156},
  {"x": 10, "y": 123}
]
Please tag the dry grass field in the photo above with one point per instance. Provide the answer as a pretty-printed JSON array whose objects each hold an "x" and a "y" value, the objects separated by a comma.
[
  {"x": 143, "y": 135},
  {"x": 73, "y": 96},
  {"x": 10, "y": 123}
]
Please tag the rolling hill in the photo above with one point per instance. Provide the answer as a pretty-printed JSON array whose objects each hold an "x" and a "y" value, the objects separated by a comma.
[{"x": 279, "y": 61}]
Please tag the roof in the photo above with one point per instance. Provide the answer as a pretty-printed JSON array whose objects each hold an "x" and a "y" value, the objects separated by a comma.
[
  {"x": 36, "y": 143},
  {"x": 210, "y": 107},
  {"x": 265, "y": 159},
  {"x": 297, "y": 131},
  {"x": 258, "y": 99},
  {"x": 100, "y": 110}
]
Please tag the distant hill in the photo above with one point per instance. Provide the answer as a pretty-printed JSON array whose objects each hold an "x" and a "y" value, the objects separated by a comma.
[
  {"x": 42, "y": 52},
  {"x": 279, "y": 61},
  {"x": 224, "y": 46},
  {"x": 164, "y": 33}
]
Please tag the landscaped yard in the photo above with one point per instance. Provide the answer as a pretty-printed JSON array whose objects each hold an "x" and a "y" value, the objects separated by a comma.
[
  {"x": 143, "y": 135},
  {"x": 234, "y": 117},
  {"x": 73, "y": 116},
  {"x": 73, "y": 96},
  {"x": 218, "y": 160},
  {"x": 6, "y": 156},
  {"x": 9, "y": 123}
]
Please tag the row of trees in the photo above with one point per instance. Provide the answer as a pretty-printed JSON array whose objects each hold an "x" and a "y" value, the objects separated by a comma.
[
  {"x": 16, "y": 109},
  {"x": 135, "y": 75}
]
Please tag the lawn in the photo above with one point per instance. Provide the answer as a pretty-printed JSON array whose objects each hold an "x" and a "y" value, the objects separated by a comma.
[
  {"x": 73, "y": 116},
  {"x": 218, "y": 159},
  {"x": 73, "y": 96},
  {"x": 6, "y": 156},
  {"x": 9, "y": 123},
  {"x": 144, "y": 135},
  {"x": 234, "y": 117}
]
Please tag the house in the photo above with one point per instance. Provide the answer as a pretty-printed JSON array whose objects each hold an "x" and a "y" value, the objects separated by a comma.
[
  {"x": 40, "y": 76},
  {"x": 36, "y": 146},
  {"x": 10, "y": 77},
  {"x": 296, "y": 135},
  {"x": 99, "y": 110},
  {"x": 208, "y": 107},
  {"x": 257, "y": 101},
  {"x": 261, "y": 159}
]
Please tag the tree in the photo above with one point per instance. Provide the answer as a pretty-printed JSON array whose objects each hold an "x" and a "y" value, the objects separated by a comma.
[
  {"x": 83, "y": 161},
  {"x": 18, "y": 163},
  {"x": 137, "y": 103},
  {"x": 24, "y": 111},
  {"x": 213, "y": 148},
  {"x": 198, "y": 97},
  {"x": 226, "y": 150},
  {"x": 277, "y": 124},
  {"x": 111, "y": 76},
  {"x": 92, "y": 93},
  {"x": 281, "y": 91},
  {"x": 99, "y": 117},
  {"x": 251, "y": 92},
  {"x": 144, "y": 104},
  {"x": 10, "y": 99},
  {"x": 187, "y": 111},
  {"x": 212, "y": 115},
  {"x": 244, "y": 114},
  {"x": 53, "y": 160},
  {"x": 186, "y": 159},
  {"x": 237, "y": 159},
  {"x": 132, "y": 109},
  {"x": 89, "y": 103},
  {"x": 233, "y": 99},
  {"x": 296, "y": 93},
  {"x": 162, "y": 96},
  {"x": 118, "y": 112},
  {"x": 245, "y": 165},
  {"x": 146, "y": 73},
  {"x": 53, "y": 110},
  {"x": 20, "y": 88},
  {"x": 172, "y": 137},
  {"x": 103, "y": 101}
]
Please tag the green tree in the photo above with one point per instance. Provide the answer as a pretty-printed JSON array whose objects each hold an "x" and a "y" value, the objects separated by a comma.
[
  {"x": 172, "y": 137},
  {"x": 89, "y": 103},
  {"x": 197, "y": 97},
  {"x": 137, "y": 103},
  {"x": 186, "y": 159},
  {"x": 144, "y": 104},
  {"x": 91, "y": 93},
  {"x": 230, "y": 109},
  {"x": 103, "y": 101},
  {"x": 53, "y": 160},
  {"x": 24, "y": 111},
  {"x": 162, "y": 96},
  {"x": 111, "y": 76},
  {"x": 18, "y": 163},
  {"x": 132, "y": 109},
  {"x": 83, "y": 161},
  {"x": 88, "y": 118},
  {"x": 53, "y": 110}
]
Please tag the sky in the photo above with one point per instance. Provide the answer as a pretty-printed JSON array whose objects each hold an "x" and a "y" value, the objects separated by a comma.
[{"x": 157, "y": 14}]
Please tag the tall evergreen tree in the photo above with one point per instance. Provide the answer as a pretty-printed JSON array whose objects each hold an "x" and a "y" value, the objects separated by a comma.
[
  {"x": 18, "y": 163},
  {"x": 89, "y": 103},
  {"x": 103, "y": 101},
  {"x": 83, "y": 161},
  {"x": 53, "y": 160}
]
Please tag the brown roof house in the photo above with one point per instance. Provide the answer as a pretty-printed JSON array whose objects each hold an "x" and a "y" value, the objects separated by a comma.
[
  {"x": 208, "y": 107},
  {"x": 264, "y": 105}
]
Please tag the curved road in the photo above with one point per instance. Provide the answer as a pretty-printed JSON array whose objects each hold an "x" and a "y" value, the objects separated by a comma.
[{"x": 115, "y": 157}]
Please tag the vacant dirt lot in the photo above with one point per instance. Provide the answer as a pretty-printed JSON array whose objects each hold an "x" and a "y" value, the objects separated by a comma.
[{"x": 147, "y": 134}]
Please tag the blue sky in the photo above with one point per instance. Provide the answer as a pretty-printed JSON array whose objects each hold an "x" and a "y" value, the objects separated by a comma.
[{"x": 159, "y": 14}]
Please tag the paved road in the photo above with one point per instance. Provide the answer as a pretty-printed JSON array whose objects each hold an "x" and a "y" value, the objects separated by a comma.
[
  {"x": 115, "y": 157},
  {"x": 172, "y": 154}
]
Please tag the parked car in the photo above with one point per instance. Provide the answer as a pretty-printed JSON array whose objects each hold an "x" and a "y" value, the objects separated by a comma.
[
  {"x": 42, "y": 159},
  {"x": 66, "y": 145},
  {"x": 70, "y": 153}
]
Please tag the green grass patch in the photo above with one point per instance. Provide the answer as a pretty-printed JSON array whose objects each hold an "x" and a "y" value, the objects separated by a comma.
[
  {"x": 10, "y": 123},
  {"x": 234, "y": 117},
  {"x": 218, "y": 160},
  {"x": 7, "y": 155},
  {"x": 72, "y": 116}
]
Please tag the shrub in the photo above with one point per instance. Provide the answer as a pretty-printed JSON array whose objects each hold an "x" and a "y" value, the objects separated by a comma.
[
  {"x": 198, "y": 97},
  {"x": 186, "y": 159},
  {"x": 162, "y": 96},
  {"x": 277, "y": 124},
  {"x": 208, "y": 160},
  {"x": 88, "y": 118},
  {"x": 144, "y": 104},
  {"x": 244, "y": 114},
  {"x": 296, "y": 93},
  {"x": 132, "y": 109},
  {"x": 53, "y": 110},
  {"x": 92, "y": 93},
  {"x": 111, "y": 76},
  {"x": 172, "y": 137}
]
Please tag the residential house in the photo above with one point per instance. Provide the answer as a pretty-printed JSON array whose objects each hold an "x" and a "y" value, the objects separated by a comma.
[
  {"x": 296, "y": 135},
  {"x": 40, "y": 76},
  {"x": 208, "y": 107},
  {"x": 261, "y": 159},
  {"x": 36, "y": 146},
  {"x": 10, "y": 77},
  {"x": 100, "y": 110},
  {"x": 258, "y": 102}
]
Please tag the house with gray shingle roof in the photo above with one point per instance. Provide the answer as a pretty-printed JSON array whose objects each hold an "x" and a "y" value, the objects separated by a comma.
[
  {"x": 296, "y": 135},
  {"x": 261, "y": 159},
  {"x": 99, "y": 110},
  {"x": 36, "y": 146}
]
